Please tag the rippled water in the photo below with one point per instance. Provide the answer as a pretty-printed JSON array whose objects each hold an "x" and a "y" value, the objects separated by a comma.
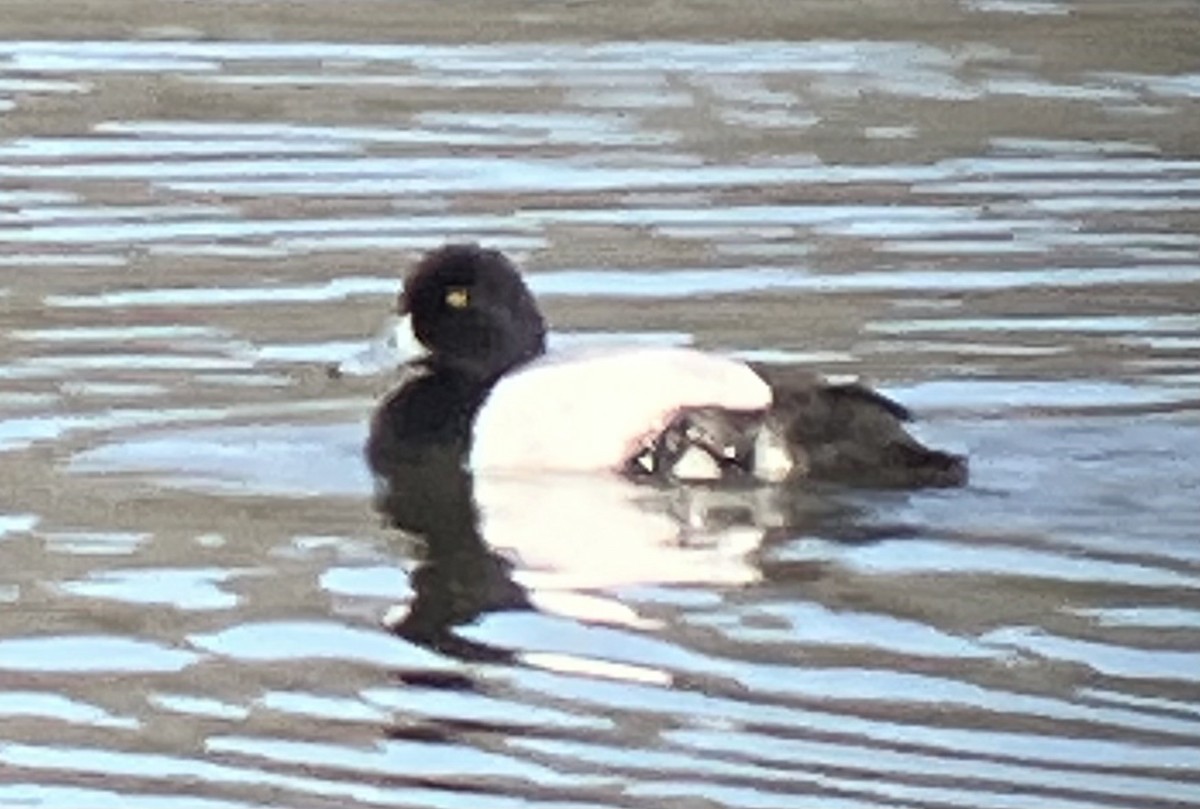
[{"x": 990, "y": 209}]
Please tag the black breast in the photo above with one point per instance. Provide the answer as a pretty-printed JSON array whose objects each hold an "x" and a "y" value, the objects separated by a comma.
[{"x": 426, "y": 420}]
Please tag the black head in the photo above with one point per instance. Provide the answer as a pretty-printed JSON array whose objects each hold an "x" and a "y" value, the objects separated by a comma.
[{"x": 471, "y": 309}]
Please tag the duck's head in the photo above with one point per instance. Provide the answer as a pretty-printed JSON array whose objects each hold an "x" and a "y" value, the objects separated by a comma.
[{"x": 470, "y": 309}]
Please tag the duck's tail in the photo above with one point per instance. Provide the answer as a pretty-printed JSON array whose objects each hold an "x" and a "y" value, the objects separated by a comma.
[{"x": 852, "y": 434}]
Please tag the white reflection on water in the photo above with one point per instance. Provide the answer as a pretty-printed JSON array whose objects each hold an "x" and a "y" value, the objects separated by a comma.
[
  {"x": 1071, "y": 324},
  {"x": 296, "y": 639},
  {"x": 198, "y": 706},
  {"x": 17, "y": 523},
  {"x": 1111, "y": 659},
  {"x": 270, "y": 459},
  {"x": 1149, "y": 617},
  {"x": 783, "y": 750},
  {"x": 55, "y": 706},
  {"x": 619, "y": 283},
  {"x": 154, "y": 768},
  {"x": 918, "y": 556},
  {"x": 89, "y": 653},
  {"x": 194, "y": 589},
  {"x": 657, "y": 283},
  {"x": 400, "y": 757},
  {"x": 1003, "y": 394}
]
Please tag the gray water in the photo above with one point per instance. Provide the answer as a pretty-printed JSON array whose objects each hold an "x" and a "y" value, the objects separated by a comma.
[{"x": 990, "y": 210}]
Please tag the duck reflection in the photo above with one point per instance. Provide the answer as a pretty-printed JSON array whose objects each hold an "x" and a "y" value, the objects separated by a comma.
[
  {"x": 565, "y": 544},
  {"x": 459, "y": 578}
]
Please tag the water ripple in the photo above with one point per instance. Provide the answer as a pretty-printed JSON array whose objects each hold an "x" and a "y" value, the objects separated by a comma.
[{"x": 982, "y": 207}]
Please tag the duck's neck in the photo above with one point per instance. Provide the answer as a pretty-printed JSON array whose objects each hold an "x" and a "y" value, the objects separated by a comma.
[
  {"x": 427, "y": 418},
  {"x": 484, "y": 372}
]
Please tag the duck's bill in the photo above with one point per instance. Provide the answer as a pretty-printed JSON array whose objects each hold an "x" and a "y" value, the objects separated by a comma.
[{"x": 392, "y": 346}]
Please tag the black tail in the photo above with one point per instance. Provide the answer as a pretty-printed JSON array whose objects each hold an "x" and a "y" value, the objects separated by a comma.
[{"x": 852, "y": 434}]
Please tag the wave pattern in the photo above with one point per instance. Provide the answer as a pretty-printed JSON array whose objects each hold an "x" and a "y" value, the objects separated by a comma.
[{"x": 201, "y": 608}]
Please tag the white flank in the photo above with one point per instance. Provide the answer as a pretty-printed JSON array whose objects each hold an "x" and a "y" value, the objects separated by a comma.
[{"x": 591, "y": 410}]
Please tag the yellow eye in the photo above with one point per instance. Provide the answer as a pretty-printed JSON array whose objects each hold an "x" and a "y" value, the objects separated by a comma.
[{"x": 457, "y": 298}]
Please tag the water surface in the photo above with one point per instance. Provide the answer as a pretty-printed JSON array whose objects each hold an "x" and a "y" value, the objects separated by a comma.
[{"x": 988, "y": 209}]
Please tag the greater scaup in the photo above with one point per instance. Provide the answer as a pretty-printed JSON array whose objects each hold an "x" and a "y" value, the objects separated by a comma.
[{"x": 489, "y": 396}]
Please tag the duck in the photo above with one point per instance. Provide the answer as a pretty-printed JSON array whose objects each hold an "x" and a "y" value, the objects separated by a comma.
[{"x": 487, "y": 395}]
